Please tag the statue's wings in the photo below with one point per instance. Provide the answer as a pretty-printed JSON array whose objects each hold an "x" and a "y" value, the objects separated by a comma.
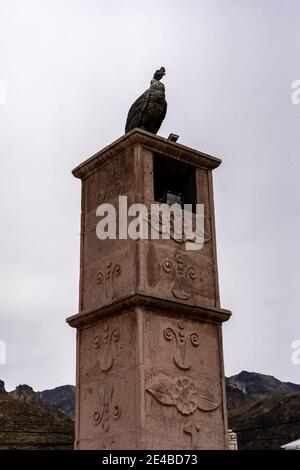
[
  {"x": 164, "y": 112},
  {"x": 135, "y": 113}
]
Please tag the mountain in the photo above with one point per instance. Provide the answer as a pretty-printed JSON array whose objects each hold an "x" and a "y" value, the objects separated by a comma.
[
  {"x": 267, "y": 423},
  {"x": 61, "y": 397},
  {"x": 262, "y": 410},
  {"x": 25, "y": 393},
  {"x": 2, "y": 387},
  {"x": 27, "y": 423},
  {"x": 247, "y": 386}
]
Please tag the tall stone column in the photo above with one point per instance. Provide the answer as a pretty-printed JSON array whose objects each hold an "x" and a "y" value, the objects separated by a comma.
[{"x": 149, "y": 340}]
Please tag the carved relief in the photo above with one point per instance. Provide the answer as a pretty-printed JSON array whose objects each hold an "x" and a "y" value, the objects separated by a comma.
[
  {"x": 109, "y": 443},
  {"x": 182, "y": 339},
  {"x": 193, "y": 430},
  {"x": 108, "y": 410},
  {"x": 179, "y": 233},
  {"x": 113, "y": 183},
  {"x": 181, "y": 275},
  {"x": 183, "y": 393},
  {"x": 107, "y": 345},
  {"x": 106, "y": 279}
]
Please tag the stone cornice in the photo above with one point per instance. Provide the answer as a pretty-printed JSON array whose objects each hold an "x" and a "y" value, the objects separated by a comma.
[
  {"x": 148, "y": 140},
  {"x": 162, "y": 306}
]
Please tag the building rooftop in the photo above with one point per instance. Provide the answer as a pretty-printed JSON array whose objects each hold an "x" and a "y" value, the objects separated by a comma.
[{"x": 294, "y": 445}]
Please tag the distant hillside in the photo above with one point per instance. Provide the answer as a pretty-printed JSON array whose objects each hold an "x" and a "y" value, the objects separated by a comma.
[
  {"x": 248, "y": 386},
  {"x": 267, "y": 423},
  {"x": 61, "y": 397},
  {"x": 263, "y": 411},
  {"x": 26, "y": 423}
]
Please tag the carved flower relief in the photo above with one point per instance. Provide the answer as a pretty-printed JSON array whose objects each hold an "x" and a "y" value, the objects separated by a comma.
[
  {"x": 182, "y": 393},
  {"x": 185, "y": 395}
]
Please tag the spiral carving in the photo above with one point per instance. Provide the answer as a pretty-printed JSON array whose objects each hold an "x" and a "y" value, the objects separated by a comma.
[{"x": 181, "y": 339}]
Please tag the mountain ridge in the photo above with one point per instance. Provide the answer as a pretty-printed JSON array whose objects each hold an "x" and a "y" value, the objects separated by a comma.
[{"x": 247, "y": 386}]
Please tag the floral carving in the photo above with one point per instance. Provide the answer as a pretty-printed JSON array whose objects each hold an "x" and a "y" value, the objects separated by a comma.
[
  {"x": 182, "y": 393},
  {"x": 181, "y": 339},
  {"x": 178, "y": 232},
  {"x": 107, "y": 409},
  {"x": 107, "y": 277},
  {"x": 185, "y": 396},
  {"x": 107, "y": 345},
  {"x": 181, "y": 274}
]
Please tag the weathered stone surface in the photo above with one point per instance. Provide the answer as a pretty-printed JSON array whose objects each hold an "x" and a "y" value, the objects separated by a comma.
[
  {"x": 179, "y": 275},
  {"x": 183, "y": 383},
  {"x": 156, "y": 377},
  {"x": 149, "y": 350}
]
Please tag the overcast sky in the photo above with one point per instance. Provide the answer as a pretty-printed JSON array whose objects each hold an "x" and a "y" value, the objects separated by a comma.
[{"x": 71, "y": 69}]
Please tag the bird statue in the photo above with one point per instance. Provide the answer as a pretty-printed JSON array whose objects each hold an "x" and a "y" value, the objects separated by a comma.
[{"x": 149, "y": 110}]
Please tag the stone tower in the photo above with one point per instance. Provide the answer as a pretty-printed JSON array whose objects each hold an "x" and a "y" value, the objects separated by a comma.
[{"x": 149, "y": 339}]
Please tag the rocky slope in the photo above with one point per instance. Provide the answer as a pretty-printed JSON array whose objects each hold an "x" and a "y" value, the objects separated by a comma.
[
  {"x": 61, "y": 397},
  {"x": 27, "y": 423},
  {"x": 247, "y": 386},
  {"x": 267, "y": 423},
  {"x": 263, "y": 411}
]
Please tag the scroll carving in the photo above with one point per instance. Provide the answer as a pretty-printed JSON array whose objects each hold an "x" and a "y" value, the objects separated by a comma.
[
  {"x": 108, "y": 409},
  {"x": 113, "y": 184},
  {"x": 107, "y": 277},
  {"x": 182, "y": 275},
  {"x": 107, "y": 346},
  {"x": 181, "y": 339}
]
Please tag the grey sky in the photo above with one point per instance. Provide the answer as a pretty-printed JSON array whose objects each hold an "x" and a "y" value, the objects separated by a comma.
[{"x": 72, "y": 68}]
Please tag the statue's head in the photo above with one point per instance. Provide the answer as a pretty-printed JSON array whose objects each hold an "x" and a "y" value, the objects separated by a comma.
[{"x": 159, "y": 73}]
